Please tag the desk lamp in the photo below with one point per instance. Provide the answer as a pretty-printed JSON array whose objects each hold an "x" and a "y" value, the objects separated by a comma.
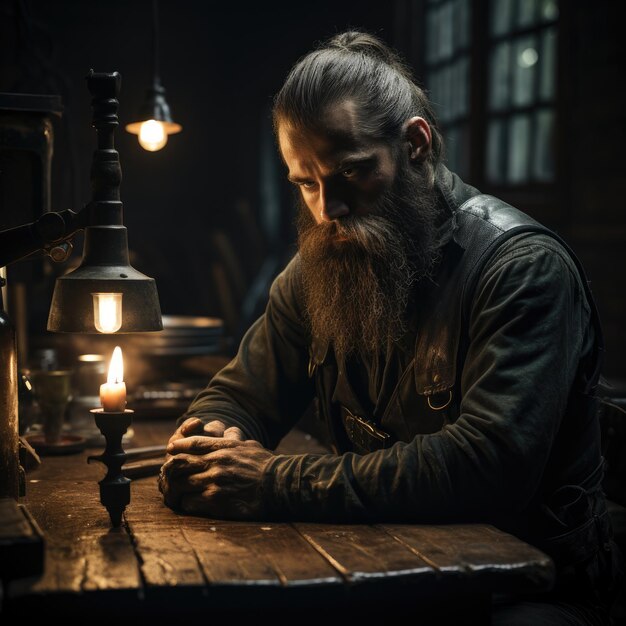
[{"x": 104, "y": 294}]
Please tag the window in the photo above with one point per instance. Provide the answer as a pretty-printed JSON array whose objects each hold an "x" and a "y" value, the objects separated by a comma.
[
  {"x": 521, "y": 91},
  {"x": 447, "y": 78},
  {"x": 495, "y": 96}
]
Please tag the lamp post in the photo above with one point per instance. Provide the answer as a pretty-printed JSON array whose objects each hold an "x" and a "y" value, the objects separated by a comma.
[
  {"x": 105, "y": 269},
  {"x": 105, "y": 294}
]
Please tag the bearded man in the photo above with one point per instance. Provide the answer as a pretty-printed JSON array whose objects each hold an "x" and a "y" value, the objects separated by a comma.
[{"x": 450, "y": 341}]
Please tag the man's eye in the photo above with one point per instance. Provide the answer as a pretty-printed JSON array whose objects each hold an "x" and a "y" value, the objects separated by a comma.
[{"x": 307, "y": 184}]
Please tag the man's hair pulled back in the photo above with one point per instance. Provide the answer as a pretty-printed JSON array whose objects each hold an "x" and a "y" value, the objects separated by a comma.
[{"x": 356, "y": 66}]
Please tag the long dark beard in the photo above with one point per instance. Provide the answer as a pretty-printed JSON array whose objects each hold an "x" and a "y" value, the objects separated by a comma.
[{"x": 359, "y": 273}]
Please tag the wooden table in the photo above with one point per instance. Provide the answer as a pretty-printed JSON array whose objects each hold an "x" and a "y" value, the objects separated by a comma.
[{"x": 165, "y": 566}]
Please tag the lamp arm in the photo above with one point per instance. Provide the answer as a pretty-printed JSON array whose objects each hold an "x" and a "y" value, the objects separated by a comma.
[{"x": 51, "y": 233}]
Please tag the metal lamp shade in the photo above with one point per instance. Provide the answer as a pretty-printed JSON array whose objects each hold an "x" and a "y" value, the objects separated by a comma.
[
  {"x": 155, "y": 107},
  {"x": 105, "y": 268}
]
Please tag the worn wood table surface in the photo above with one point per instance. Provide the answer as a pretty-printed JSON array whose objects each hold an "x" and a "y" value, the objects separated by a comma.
[{"x": 163, "y": 566}]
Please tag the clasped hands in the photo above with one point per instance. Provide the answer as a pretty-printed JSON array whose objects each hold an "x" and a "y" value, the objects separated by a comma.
[{"x": 211, "y": 470}]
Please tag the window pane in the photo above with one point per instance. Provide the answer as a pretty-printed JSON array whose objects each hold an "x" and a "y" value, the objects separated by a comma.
[
  {"x": 518, "y": 149},
  {"x": 445, "y": 93},
  {"x": 548, "y": 10},
  {"x": 445, "y": 31},
  {"x": 457, "y": 149},
  {"x": 439, "y": 87},
  {"x": 543, "y": 153},
  {"x": 453, "y": 72},
  {"x": 438, "y": 93},
  {"x": 432, "y": 91},
  {"x": 524, "y": 65},
  {"x": 452, "y": 152},
  {"x": 499, "y": 74},
  {"x": 501, "y": 14},
  {"x": 463, "y": 151},
  {"x": 495, "y": 152},
  {"x": 526, "y": 13},
  {"x": 462, "y": 23},
  {"x": 452, "y": 90},
  {"x": 547, "y": 60},
  {"x": 461, "y": 87},
  {"x": 431, "y": 36}
]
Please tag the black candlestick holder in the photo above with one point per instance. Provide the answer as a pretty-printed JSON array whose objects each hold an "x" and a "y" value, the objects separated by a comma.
[{"x": 114, "y": 487}]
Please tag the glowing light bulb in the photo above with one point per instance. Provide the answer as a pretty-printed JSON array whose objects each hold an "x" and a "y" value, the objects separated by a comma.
[
  {"x": 152, "y": 135},
  {"x": 107, "y": 312}
]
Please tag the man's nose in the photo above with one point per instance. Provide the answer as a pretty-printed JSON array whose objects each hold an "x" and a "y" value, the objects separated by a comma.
[{"x": 333, "y": 208}]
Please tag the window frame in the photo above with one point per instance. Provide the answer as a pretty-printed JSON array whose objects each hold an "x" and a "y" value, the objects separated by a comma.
[{"x": 546, "y": 199}]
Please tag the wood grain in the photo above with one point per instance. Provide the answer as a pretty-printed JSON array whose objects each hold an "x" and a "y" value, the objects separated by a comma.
[
  {"x": 82, "y": 551},
  {"x": 160, "y": 562},
  {"x": 363, "y": 552},
  {"x": 478, "y": 551}
]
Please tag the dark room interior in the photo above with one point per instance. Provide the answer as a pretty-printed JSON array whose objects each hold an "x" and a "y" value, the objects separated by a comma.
[
  {"x": 222, "y": 176},
  {"x": 528, "y": 98}
]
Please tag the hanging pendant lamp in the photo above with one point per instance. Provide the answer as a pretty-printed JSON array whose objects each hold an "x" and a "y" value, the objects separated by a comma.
[{"x": 155, "y": 121}]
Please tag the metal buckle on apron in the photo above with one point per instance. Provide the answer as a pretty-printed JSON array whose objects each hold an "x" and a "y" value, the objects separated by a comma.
[
  {"x": 364, "y": 433},
  {"x": 442, "y": 406}
]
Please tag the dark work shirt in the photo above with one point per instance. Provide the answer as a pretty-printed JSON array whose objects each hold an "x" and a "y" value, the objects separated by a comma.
[
  {"x": 374, "y": 379},
  {"x": 529, "y": 329}
]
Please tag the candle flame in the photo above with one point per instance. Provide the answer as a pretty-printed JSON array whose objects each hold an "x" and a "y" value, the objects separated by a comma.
[{"x": 116, "y": 368}]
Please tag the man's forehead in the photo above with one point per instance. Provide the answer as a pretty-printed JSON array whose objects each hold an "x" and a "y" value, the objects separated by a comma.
[
  {"x": 336, "y": 130},
  {"x": 320, "y": 140},
  {"x": 341, "y": 116}
]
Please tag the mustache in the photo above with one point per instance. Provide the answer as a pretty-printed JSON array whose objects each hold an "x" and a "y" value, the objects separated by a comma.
[{"x": 371, "y": 234}]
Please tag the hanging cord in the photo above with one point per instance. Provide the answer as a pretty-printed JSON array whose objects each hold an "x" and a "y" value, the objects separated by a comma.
[{"x": 156, "y": 78}]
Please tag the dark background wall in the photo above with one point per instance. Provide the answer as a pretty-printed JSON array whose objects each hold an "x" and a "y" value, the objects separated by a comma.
[
  {"x": 221, "y": 66},
  {"x": 594, "y": 151}
]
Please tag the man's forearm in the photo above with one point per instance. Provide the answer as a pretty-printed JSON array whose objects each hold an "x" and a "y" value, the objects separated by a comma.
[
  {"x": 446, "y": 476},
  {"x": 208, "y": 410},
  {"x": 382, "y": 485}
]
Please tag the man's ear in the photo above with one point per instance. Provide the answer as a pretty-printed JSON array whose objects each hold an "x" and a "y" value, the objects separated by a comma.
[{"x": 418, "y": 136}]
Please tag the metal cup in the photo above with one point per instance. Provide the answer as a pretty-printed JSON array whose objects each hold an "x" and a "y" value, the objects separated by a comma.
[{"x": 53, "y": 391}]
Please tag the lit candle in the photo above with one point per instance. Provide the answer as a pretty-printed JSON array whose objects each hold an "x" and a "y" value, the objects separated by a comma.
[{"x": 113, "y": 392}]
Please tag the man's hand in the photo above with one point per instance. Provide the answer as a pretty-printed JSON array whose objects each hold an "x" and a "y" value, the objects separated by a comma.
[
  {"x": 215, "y": 476},
  {"x": 195, "y": 426}
]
